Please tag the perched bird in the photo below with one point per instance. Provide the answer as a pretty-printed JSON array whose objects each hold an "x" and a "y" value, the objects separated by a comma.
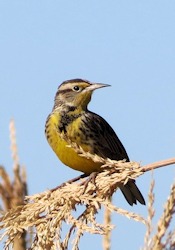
[{"x": 70, "y": 118}]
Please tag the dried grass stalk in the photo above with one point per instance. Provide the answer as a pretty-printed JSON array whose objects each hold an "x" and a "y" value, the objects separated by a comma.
[
  {"x": 151, "y": 212},
  {"x": 107, "y": 236},
  {"x": 165, "y": 220},
  {"x": 163, "y": 238},
  {"x": 47, "y": 212},
  {"x": 14, "y": 191}
]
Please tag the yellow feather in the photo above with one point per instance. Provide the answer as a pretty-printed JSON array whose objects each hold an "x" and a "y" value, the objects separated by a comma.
[{"x": 65, "y": 153}]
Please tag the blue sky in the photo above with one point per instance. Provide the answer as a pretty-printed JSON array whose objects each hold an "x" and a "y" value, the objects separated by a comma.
[{"x": 127, "y": 44}]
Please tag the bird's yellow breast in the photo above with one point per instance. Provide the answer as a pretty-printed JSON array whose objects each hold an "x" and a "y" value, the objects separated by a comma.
[{"x": 62, "y": 148}]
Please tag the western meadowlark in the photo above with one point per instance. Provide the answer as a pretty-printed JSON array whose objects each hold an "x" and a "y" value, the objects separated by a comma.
[{"x": 71, "y": 118}]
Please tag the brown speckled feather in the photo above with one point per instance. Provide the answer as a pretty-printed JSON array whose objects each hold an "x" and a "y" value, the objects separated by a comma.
[{"x": 109, "y": 146}]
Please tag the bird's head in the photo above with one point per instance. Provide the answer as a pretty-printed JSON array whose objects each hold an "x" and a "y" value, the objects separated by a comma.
[{"x": 75, "y": 93}]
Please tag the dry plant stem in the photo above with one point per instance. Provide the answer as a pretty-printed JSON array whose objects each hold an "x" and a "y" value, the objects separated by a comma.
[
  {"x": 13, "y": 146},
  {"x": 170, "y": 240},
  {"x": 5, "y": 189},
  {"x": 52, "y": 208},
  {"x": 107, "y": 236},
  {"x": 158, "y": 164},
  {"x": 151, "y": 213},
  {"x": 145, "y": 168},
  {"x": 165, "y": 219},
  {"x": 89, "y": 211},
  {"x": 18, "y": 186}
]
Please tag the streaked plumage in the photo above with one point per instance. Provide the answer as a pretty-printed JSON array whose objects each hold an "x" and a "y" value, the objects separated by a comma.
[{"x": 70, "y": 117}]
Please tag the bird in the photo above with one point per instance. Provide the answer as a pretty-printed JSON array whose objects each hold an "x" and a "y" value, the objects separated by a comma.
[{"x": 70, "y": 118}]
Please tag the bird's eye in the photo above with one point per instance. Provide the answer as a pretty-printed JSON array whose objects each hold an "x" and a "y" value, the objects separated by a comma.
[{"x": 76, "y": 88}]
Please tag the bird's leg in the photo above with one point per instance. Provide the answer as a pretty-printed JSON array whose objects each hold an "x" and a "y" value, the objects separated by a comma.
[
  {"x": 69, "y": 182},
  {"x": 90, "y": 178}
]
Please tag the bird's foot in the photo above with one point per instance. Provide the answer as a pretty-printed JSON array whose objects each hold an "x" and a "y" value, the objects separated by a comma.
[{"x": 91, "y": 178}]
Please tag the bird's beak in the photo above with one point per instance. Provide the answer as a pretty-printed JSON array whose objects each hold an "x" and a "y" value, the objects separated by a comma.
[{"x": 94, "y": 86}]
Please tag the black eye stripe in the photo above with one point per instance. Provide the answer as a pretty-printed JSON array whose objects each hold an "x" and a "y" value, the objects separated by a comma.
[{"x": 63, "y": 91}]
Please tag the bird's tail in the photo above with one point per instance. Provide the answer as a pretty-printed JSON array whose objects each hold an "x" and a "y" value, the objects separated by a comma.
[{"x": 132, "y": 194}]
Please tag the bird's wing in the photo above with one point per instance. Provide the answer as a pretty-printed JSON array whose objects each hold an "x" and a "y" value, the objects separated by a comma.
[
  {"x": 105, "y": 141},
  {"x": 107, "y": 145}
]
